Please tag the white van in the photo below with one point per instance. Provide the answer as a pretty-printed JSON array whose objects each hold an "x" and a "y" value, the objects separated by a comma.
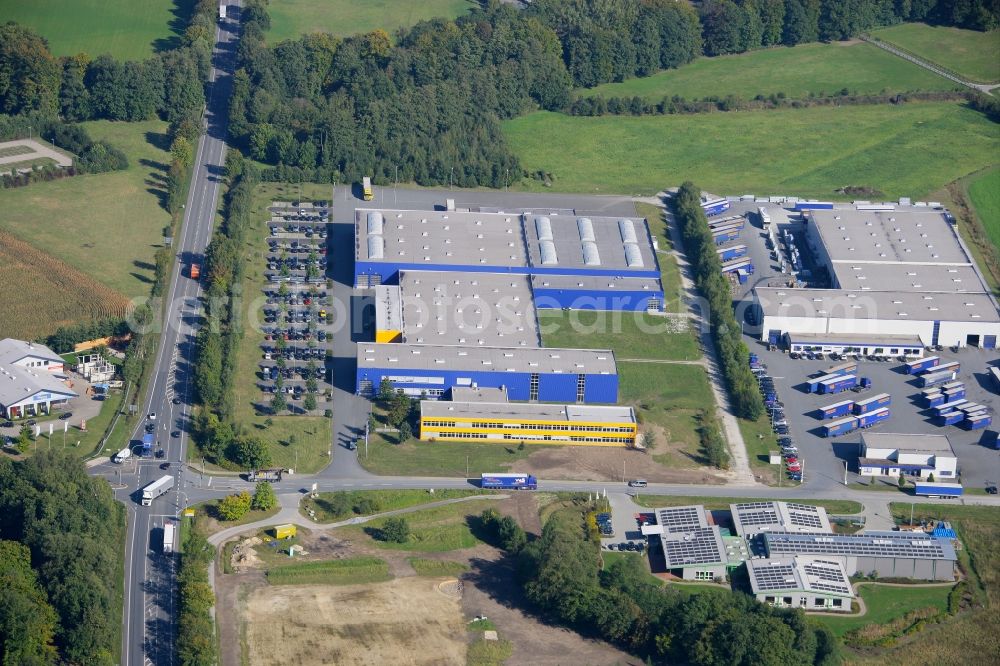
[
  {"x": 637, "y": 483},
  {"x": 122, "y": 456}
]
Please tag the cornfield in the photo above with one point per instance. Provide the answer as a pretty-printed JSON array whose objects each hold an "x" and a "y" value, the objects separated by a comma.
[{"x": 40, "y": 293}]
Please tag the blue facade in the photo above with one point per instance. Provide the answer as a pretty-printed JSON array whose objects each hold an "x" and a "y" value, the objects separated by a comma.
[
  {"x": 552, "y": 387},
  {"x": 585, "y": 299},
  {"x": 388, "y": 272}
]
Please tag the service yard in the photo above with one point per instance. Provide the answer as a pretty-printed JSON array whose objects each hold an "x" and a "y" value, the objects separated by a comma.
[{"x": 412, "y": 620}]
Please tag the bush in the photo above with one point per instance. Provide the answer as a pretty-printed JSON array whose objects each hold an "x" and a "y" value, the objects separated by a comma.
[
  {"x": 264, "y": 498},
  {"x": 395, "y": 530},
  {"x": 234, "y": 507}
]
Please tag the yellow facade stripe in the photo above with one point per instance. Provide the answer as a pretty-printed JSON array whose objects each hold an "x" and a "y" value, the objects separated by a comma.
[
  {"x": 480, "y": 419},
  {"x": 532, "y": 432},
  {"x": 526, "y": 440}
]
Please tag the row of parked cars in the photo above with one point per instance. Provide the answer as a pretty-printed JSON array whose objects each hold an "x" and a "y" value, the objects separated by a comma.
[
  {"x": 776, "y": 410},
  {"x": 634, "y": 546}
]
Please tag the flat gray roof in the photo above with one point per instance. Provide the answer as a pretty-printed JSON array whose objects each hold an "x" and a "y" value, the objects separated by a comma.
[
  {"x": 485, "y": 359},
  {"x": 13, "y": 350},
  {"x": 879, "y": 305},
  {"x": 857, "y": 338},
  {"x": 868, "y": 544},
  {"x": 440, "y": 237},
  {"x": 906, "y": 277},
  {"x": 388, "y": 308},
  {"x": 908, "y": 443},
  {"x": 800, "y": 573},
  {"x": 529, "y": 411},
  {"x": 591, "y": 242},
  {"x": 754, "y": 517},
  {"x": 481, "y": 309},
  {"x": 911, "y": 235},
  {"x": 478, "y": 394},
  {"x": 596, "y": 283}
]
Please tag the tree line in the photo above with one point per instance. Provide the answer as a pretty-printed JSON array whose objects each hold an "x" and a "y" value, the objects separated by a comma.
[
  {"x": 196, "y": 644},
  {"x": 561, "y": 575},
  {"x": 60, "y": 563},
  {"x": 714, "y": 287}
]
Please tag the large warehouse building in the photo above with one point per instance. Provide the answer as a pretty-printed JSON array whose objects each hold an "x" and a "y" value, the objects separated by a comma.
[{"x": 901, "y": 279}]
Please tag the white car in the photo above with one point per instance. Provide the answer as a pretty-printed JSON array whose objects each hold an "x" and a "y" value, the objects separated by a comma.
[{"x": 152, "y": 416}]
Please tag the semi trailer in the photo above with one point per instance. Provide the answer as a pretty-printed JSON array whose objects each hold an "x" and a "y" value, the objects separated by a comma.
[
  {"x": 509, "y": 482},
  {"x": 872, "y": 403},
  {"x": 921, "y": 364},
  {"x": 156, "y": 489},
  {"x": 842, "y": 408},
  {"x": 841, "y": 427}
]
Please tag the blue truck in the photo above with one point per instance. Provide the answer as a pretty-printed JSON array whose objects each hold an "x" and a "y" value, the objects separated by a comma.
[
  {"x": 837, "y": 384},
  {"x": 732, "y": 252},
  {"x": 937, "y": 489},
  {"x": 842, "y": 408},
  {"x": 921, "y": 364},
  {"x": 872, "y": 403},
  {"x": 147, "y": 444},
  {"x": 841, "y": 427},
  {"x": 714, "y": 206},
  {"x": 977, "y": 421},
  {"x": 873, "y": 418},
  {"x": 503, "y": 481},
  {"x": 949, "y": 418}
]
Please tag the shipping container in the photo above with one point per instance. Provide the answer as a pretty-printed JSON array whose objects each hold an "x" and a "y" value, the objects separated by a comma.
[
  {"x": 814, "y": 383},
  {"x": 837, "y": 384},
  {"x": 971, "y": 407},
  {"x": 872, "y": 403},
  {"x": 733, "y": 252},
  {"x": 935, "y": 378},
  {"x": 949, "y": 406},
  {"x": 949, "y": 418},
  {"x": 935, "y": 399},
  {"x": 921, "y": 364},
  {"x": 937, "y": 489},
  {"x": 841, "y": 427},
  {"x": 841, "y": 408},
  {"x": 848, "y": 368},
  {"x": 977, "y": 422},
  {"x": 873, "y": 418},
  {"x": 729, "y": 219},
  {"x": 737, "y": 264}
]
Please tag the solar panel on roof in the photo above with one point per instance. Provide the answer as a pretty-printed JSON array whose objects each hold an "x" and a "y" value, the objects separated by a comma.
[
  {"x": 543, "y": 227},
  {"x": 548, "y": 250},
  {"x": 627, "y": 230},
  {"x": 586, "y": 229},
  {"x": 591, "y": 256},
  {"x": 632, "y": 255},
  {"x": 374, "y": 222}
]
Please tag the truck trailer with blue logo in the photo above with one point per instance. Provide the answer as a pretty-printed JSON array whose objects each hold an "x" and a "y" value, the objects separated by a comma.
[
  {"x": 731, "y": 252},
  {"x": 508, "y": 482},
  {"x": 919, "y": 365},
  {"x": 842, "y": 408},
  {"x": 838, "y": 384},
  {"x": 937, "y": 489},
  {"x": 714, "y": 206},
  {"x": 872, "y": 419},
  {"x": 872, "y": 403}
]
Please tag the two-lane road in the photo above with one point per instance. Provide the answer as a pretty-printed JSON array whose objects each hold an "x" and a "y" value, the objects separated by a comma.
[{"x": 149, "y": 623}]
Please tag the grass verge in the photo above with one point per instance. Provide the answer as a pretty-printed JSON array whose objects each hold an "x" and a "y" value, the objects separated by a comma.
[
  {"x": 489, "y": 653},
  {"x": 985, "y": 194},
  {"x": 417, "y": 458},
  {"x": 808, "y": 152},
  {"x": 350, "y": 571},
  {"x": 845, "y": 507},
  {"x": 886, "y": 603},
  {"x": 207, "y": 520},
  {"x": 670, "y": 273},
  {"x": 760, "y": 440},
  {"x": 628, "y": 334},
  {"x": 797, "y": 72},
  {"x": 436, "y": 568},
  {"x": 970, "y": 53},
  {"x": 331, "y": 507},
  {"x": 435, "y": 530}
]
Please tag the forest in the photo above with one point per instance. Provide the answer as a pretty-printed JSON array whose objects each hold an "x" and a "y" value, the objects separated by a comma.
[
  {"x": 61, "y": 536},
  {"x": 425, "y": 105}
]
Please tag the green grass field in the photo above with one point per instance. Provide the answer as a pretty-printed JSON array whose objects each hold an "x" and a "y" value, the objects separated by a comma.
[
  {"x": 906, "y": 150},
  {"x": 107, "y": 225},
  {"x": 95, "y": 27},
  {"x": 628, "y": 334},
  {"x": 973, "y": 54},
  {"x": 417, "y": 458},
  {"x": 670, "y": 273},
  {"x": 378, "y": 501},
  {"x": 985, "y": 194},
  {"x": 291, "y": 18},
  {"x": 886, "y": 603},
  {"x": 807, "y": 69},
  {"x": 667, "y": 399},
  {"x": 351, "y": 571},
  {"x": 760, "y": 439},
  {"x": 435, "y": 530}
]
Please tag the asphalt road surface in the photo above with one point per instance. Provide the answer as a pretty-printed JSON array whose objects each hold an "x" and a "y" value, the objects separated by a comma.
[{"x": 149, "y": 621}]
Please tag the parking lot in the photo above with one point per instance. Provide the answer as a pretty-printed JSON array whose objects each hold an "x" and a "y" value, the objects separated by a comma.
[
  {"x": 824, "y": 458},
  {"x": 297, "y": 315}
]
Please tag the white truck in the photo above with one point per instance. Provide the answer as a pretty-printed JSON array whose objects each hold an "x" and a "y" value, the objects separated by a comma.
[
  {"x": 222, "y": 10},
  {"x": 156, "y": 488},
  {"x": 122, "y": 456},
  {"x": 169, "y": 532}
]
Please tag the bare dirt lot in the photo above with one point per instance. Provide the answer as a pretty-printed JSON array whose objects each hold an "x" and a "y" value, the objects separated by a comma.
[
  {"x": 605, "y": 464},
  {"x": 404, "y": 621}
]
